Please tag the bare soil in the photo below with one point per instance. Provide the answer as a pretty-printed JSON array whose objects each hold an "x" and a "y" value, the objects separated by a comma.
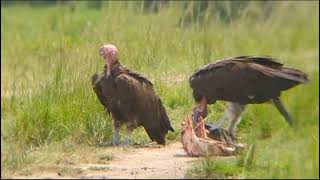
[{"x": 145, "y": 162}]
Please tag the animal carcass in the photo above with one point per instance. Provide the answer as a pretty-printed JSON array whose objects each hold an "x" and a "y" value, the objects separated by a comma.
[{"x": 196, "y": 142}]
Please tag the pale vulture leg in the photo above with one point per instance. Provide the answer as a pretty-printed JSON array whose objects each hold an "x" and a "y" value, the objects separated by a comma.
[
  {"x": 233, "y": 113},
  {"x": 130, "y": 127},
  {"x": 277, "y": 102},
  {"x": 236, "y": 110},
  {"x": 116, "y": 127}
]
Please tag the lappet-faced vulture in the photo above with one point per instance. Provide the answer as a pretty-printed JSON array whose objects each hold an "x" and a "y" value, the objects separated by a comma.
[
  {"x": 239, "y": 81},
  {"x": 130, "y": 98}
]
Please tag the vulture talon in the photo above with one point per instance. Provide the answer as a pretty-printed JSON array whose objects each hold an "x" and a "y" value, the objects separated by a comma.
[
  {"x": 127, "y": 142},
  {"x": 105, "y": 144},
  {"x": 124, "y": 145},
  {"x": 115, "y": 143}
]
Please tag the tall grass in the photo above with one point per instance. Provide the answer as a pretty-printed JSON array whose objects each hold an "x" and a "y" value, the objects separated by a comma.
[{"x": 50, "y": 53}]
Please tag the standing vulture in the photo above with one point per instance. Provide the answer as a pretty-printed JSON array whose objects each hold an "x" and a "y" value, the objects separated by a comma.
[
  {"x": 130, "y": 98},
  {"x": 239, "y": 81}
]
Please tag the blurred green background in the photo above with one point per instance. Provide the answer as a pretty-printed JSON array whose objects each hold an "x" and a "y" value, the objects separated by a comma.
[{"x": 49, "y": 51}]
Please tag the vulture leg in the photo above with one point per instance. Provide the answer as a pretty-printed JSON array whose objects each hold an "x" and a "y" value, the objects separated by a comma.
[
  {"x": 233, "y": 113},
  {"x": 200, "y": 110},
  {"x": 130, "y": 128},
  {"x": 235, "y": 110},
  {"x": 127, "y": 140},
  {"x": 277, "y": 102},
  {"x": 116, "y": 127},
  {"x": 226, "y": 116}
]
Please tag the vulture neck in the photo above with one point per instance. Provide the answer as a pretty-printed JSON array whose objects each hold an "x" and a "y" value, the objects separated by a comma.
[{"x": 109, "y": 69}]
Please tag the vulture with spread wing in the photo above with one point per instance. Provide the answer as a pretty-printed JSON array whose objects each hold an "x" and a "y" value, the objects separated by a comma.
[
  {"x": 130, "y": 98},
  {"x": 239, "y": 81}
]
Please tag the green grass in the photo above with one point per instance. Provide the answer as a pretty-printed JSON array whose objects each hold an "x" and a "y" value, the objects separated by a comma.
[
  {"x": 216, "y": 168},
  {"x": 49, "y": 54}
]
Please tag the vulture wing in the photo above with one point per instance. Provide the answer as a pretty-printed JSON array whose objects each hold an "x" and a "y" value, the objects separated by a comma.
[
  {"x": 137, "y": 93},
  {"x": 98, "y": 89},
  {"x": 244, "y": 79}
]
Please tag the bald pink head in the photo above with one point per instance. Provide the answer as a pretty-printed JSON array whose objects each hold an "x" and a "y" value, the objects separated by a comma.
[{"x": 109, "y": 53}]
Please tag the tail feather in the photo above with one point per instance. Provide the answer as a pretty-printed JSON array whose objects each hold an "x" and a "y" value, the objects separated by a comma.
[
  {"x": 155, "y": 134},
  {"x": 158, "y": 124},
  {"x": 165, "y": 123},
  {"x": 294, "y": 74},
  {"x": 286, "y": 73},
  {"x": 164, "y": 119},
  {"x": 271, "y": 67}
]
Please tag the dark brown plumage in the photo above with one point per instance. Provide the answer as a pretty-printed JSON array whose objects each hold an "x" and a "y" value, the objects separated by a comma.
[
  {"x": 243, "y": 80},
  {"x": 131, "y": 99}
]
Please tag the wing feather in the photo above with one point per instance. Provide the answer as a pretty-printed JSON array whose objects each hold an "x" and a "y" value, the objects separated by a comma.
[
  {"x": 239, "y": 78},
  {"x": 96, "y": 85},
  {"x": 138, "y": 94}
]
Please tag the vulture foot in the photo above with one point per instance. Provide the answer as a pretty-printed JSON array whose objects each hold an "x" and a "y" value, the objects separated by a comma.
[
  {"x": 153, "y": 145},
  {"x": 106, "y": 144},
  {"x": 115, "y": 143},
  {"x": 115, "y": 140},
  {"x": 128, "y": 140},
  {"x": 124, "y": 145},
  {"x": 127, "y": 143}
]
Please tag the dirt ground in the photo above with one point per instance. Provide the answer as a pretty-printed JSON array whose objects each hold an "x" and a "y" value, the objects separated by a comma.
[{"x": 145, "y": 162}]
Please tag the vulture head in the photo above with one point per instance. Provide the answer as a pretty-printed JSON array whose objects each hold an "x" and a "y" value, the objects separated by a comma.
[{"x": 109, "y": 53}]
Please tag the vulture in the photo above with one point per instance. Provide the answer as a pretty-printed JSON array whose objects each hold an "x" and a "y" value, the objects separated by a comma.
[
  {"x": 240, "y": 81},
  {"x": 130, "y": 99}
]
